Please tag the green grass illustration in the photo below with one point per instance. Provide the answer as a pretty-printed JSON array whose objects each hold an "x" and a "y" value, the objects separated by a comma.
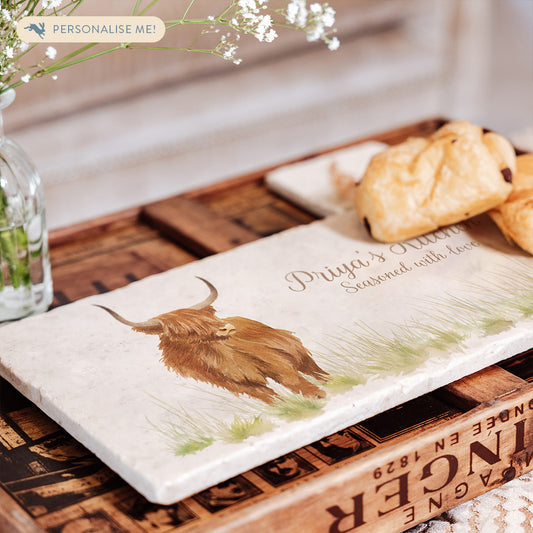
[
  {"x": 242, "y": 428},
  {"x": 295, "y": 407},
  {"x": 356, "y": 354},
  {"x": 188, "y": 446},
  {"x": 188, "y": 431},
  {"x": 185, "y": 431},
  {"x": 340, "y": 383}
]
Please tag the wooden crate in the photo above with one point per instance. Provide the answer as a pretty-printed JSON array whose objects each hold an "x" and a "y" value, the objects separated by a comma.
[{"x": 387, "y": 473}]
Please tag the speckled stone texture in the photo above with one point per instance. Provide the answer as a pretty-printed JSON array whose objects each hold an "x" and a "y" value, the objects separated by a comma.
[{"x": 358, "y": 306}]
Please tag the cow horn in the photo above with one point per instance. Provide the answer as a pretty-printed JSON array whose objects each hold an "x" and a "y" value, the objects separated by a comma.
[
  {"x": 213, "y": 294},
  {"x": 139, "y": 325}
]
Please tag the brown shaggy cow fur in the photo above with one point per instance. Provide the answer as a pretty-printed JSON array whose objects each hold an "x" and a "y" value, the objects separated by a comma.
[{"x": 236, "y": 353}]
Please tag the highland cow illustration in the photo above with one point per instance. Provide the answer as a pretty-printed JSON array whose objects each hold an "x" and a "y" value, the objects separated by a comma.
[{"x": 236, "y": 353}]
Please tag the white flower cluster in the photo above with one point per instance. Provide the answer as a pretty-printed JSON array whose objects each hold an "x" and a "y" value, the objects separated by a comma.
[
  {"x": 315, "y": 21},
  {"x": 297, "y": 13},
  {"x": 255, "y": 17},
  {"x": 6, "y": 15},
  {"x": 227, "y": 47},
  {"x": 12, "y": 47},
  {"x": 51, "y": 4},
  {"x": 10, "y": 41},
  {"x": 249, "y": 19}
]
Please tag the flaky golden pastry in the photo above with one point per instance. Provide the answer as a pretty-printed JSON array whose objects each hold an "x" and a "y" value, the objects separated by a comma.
[
  {"x": 423, "y": 183},
  {"x": 515, "y": 216}
]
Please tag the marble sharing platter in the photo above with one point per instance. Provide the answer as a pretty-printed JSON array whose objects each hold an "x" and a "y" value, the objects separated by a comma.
[
  {"x": 309, "y": 184},
  {"x": 312, "y": 330}
]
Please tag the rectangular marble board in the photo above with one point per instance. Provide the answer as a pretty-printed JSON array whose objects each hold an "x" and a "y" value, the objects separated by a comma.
[{"x": 313, "y": 329}]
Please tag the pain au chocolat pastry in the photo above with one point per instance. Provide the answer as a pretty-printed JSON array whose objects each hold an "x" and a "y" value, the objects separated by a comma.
[
  {"x": 515, "y": 216},
  {"x": 423, "y": 183}
]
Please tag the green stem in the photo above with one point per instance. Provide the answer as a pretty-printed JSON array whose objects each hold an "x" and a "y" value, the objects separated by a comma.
[
  {"x": 72, "y": 54},
  {"x": 176, "y": 49},
  {"x": 227, "y": 10},
  {"x": 75, "y": 4},
  {"x": 196, "y": 39},
  {"x": 136, "y": 6},
  {"x": 29, "y": 49},
  {"x": 47, "y": 70},
  {"x": 148, "y": 7},
  {"x": 187, "y": 10},
  {"x": 12, "y": 242},
  {"x": 13, "y": 249},
  {"x": 59, "y": 65}
]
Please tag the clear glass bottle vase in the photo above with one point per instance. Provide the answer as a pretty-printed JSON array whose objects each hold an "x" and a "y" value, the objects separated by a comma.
[{"x": 25, "y": 278}]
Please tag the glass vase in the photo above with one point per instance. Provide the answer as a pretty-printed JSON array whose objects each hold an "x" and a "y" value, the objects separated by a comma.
[{"x": 25, "y": 278}]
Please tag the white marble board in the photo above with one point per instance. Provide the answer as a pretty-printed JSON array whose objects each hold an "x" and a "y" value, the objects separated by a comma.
[{"x": 386, "y": 322}]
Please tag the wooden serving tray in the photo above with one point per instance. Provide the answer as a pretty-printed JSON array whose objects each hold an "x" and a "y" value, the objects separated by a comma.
[{"x": 383, "y": 474}]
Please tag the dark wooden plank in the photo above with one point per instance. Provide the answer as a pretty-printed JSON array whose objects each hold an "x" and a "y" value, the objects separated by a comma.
[
  {"x": 521, "y": 365},
  {"x": 195, "y": 226},
  {"x": 483, "y": 386},
  {"x": 107, "y": 242},
  {"x": 98, "y": 261},
  {"x": 94, "y": 227},
  {"x": 257, "y": 209}
]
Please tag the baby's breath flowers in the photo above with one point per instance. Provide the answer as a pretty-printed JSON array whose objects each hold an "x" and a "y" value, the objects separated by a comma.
[
  {"x": 315, "y": 21},
  {"x": 238, "y": 18}
]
